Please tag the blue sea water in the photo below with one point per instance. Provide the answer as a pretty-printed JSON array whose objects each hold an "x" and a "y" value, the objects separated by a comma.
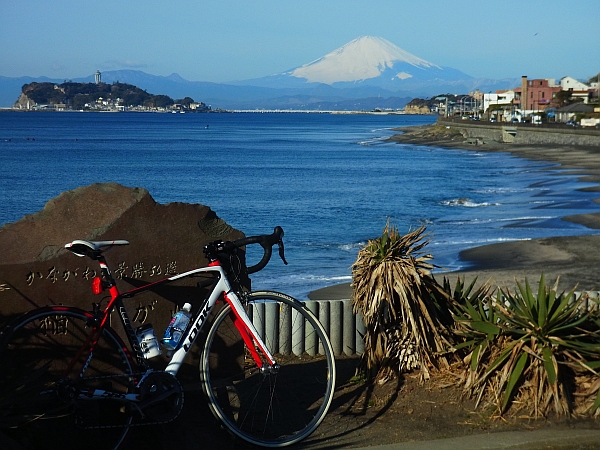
[{"x": 331, "y": 181}]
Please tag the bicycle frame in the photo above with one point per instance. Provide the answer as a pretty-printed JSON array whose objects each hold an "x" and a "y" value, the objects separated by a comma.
[
  {"x": 222, "y": 288},
  {"x": 111, "y": 382}
]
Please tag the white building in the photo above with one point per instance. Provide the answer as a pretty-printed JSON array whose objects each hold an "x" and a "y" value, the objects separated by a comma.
[
  {"x": 501, "y": 98},
  {"x": 577, "y": 88},
  {"x": 567, "y": 83}
]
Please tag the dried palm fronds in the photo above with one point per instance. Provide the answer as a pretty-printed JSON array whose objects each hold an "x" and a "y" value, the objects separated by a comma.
[{"x": 396, "y": 294}]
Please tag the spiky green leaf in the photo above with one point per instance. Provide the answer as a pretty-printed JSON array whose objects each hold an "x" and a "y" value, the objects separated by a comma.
[
  {"x": 475, "y": 357},
  {"x": 541, "y": 303},
  {"x": 500, "y": 359},
  {"x": 596, "y": 404},
  {"x": 485, "y": 327},
  {"x": 549, "y": 364},
  {"x": 514, "y": 378}
]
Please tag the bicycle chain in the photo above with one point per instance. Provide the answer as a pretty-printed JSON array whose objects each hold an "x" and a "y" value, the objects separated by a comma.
[
  {"x": 79, "y": 419},
  {"x": 104, "y": 427}
]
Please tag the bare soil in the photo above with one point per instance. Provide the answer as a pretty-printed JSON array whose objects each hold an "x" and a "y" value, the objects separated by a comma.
[{"x": 361, "y": 415}]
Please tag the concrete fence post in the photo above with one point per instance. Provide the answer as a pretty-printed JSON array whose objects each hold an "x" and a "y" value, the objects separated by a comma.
[
  {"x": 336, "y": 323},
  {"x": 349, "y": 328},
  {"x": 361, "y": 329},
  {"x": 297, "y": 333},
  {"x": 311, "y": 340},
  {"x": 272, "y": 324},
  {"x": 324, "y": 314},
  {"x": 284, "y": 330}
]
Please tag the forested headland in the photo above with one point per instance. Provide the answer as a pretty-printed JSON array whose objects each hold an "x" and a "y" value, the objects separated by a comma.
[{"x": 95, "y": 96}]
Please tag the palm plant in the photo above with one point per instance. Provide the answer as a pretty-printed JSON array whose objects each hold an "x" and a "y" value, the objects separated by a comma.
[
  {"x": 526, "y": 349},
  {"x": 406, "y": 325}
]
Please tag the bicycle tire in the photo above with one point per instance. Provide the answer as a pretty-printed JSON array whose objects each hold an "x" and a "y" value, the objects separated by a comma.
[
  {"x": 269, "y": 409},
  {"x": 34, "y": 352}
]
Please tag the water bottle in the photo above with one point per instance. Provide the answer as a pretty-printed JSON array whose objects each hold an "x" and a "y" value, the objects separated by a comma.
[
  {"x": 177, "y": 327},
  {"x": 148, "y": 342}
]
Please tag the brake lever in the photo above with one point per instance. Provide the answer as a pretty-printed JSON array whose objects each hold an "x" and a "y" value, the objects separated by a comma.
[{"x": 282, "y": 251}]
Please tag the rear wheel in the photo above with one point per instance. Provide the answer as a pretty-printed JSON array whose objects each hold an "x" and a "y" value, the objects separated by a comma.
[
  {"x": 38, "y": 404},
  {"x": 276, "y": 407}
]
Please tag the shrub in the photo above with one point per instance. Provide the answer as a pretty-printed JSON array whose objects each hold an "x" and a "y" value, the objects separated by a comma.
[
  {"x": 405, "y": 324},
  {"x": 526, "y": 349}
]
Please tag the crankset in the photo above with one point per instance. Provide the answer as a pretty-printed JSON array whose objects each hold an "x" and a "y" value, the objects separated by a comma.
[
  {"x": 161, "y": 397},
  {"x": 160, "y": 401}
]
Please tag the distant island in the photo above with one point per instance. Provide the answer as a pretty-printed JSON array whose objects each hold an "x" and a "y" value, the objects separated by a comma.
[{"x": 100, "y": 97}]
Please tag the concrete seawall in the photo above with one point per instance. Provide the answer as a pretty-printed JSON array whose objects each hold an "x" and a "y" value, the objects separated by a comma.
[{"x": 524, "y": 134}]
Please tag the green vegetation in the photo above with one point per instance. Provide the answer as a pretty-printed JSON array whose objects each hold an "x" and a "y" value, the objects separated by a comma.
[
  {"x": 521, "y": 351},
  {"x": 564, "y": 98},
  {"x": 435, "y": 100},
  {"x": 89, "y": 95},
  {"x": 527, "y": 350}
]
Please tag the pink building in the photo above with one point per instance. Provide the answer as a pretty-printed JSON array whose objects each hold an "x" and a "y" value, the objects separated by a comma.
[{"x": 535, "y": 95}]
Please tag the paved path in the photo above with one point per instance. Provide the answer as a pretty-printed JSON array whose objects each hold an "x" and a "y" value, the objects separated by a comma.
[{"x": 512, "y": 440}]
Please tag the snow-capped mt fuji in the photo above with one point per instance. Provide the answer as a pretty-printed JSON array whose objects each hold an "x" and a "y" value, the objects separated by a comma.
[
  {"x": 363, "y": 58},
  {"x": 365, "y": 73},
  {"x": 368, "y": 63}
]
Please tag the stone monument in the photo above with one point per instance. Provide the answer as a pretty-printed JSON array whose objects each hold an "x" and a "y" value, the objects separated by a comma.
[{"x": 36, "y": 270}]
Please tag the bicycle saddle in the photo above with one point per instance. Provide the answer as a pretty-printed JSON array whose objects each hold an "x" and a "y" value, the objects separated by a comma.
[{"x": 92, "y": 248}]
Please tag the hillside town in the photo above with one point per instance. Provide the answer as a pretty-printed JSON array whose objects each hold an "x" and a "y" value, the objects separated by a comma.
[{"x": 536, "y": 101}]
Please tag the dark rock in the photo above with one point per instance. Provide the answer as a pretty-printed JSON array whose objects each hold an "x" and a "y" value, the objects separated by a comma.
[{"x": 36, "y": 270}]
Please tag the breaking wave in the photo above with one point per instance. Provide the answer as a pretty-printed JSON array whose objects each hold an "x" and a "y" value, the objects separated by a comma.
[{"x": 466, "y": 202}]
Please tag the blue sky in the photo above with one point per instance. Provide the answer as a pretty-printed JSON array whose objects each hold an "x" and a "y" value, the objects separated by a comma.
[{"x": 206, "y": 40}]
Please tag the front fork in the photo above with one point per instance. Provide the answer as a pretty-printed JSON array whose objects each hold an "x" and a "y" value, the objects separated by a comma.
[{"x": 250, "y": 335}]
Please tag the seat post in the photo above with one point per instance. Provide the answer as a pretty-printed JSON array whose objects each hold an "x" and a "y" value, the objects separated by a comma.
[{"x": 106, "y": 273}]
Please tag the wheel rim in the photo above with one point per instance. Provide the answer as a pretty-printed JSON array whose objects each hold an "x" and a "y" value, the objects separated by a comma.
[
  {"x": 273, "y": 407},
  {"x": 41, "y": 344}
]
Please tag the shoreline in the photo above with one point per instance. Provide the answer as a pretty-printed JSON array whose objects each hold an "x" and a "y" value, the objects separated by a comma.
[{"x": 575, "y": 259}]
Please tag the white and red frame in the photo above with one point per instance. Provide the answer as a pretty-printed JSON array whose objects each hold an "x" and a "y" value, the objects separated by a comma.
[{"x": 222, "y": 288}]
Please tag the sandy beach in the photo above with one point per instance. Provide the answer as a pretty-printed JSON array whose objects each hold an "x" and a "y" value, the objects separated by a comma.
[{"x": 575, "y": 259}]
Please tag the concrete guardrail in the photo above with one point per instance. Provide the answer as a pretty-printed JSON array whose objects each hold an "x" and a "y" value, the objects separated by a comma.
[{"x": 345, "y": 329}]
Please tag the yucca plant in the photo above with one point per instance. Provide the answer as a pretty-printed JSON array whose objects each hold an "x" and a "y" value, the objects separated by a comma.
[
  {"x": 526, "y": 349},
  {"x": 405, "y": 326},
  {"x": 474, "y": 322}
]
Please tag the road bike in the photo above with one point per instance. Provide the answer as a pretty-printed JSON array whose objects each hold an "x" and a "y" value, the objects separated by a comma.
[{"x": 266, "y": 365}]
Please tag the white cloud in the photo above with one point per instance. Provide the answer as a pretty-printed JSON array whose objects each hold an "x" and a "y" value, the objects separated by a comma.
[{"x": 116, "y": 64}]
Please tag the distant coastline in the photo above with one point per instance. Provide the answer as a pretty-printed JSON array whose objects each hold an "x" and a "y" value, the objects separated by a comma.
[{"x": 226, "y": 111}]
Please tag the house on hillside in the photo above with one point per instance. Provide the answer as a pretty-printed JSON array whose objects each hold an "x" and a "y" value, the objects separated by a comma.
[
  {"x": 577, "y": 89},
  {"x": 567, "y": 83},
  {"x": 569, "y": 112}
]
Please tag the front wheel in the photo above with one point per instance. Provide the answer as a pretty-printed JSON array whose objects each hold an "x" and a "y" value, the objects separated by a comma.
[
  {"x": 271, "y": 408},
  {"x": 39, "y": 405}
]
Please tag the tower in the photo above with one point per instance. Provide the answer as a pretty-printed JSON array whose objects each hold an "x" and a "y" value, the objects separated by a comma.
[
  {"x": 524, "y": 84},
  {"x": 98, "y": 77}
]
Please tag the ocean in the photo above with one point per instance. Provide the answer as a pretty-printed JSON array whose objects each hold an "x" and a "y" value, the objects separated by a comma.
[{"x": 330, "y": 180}]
